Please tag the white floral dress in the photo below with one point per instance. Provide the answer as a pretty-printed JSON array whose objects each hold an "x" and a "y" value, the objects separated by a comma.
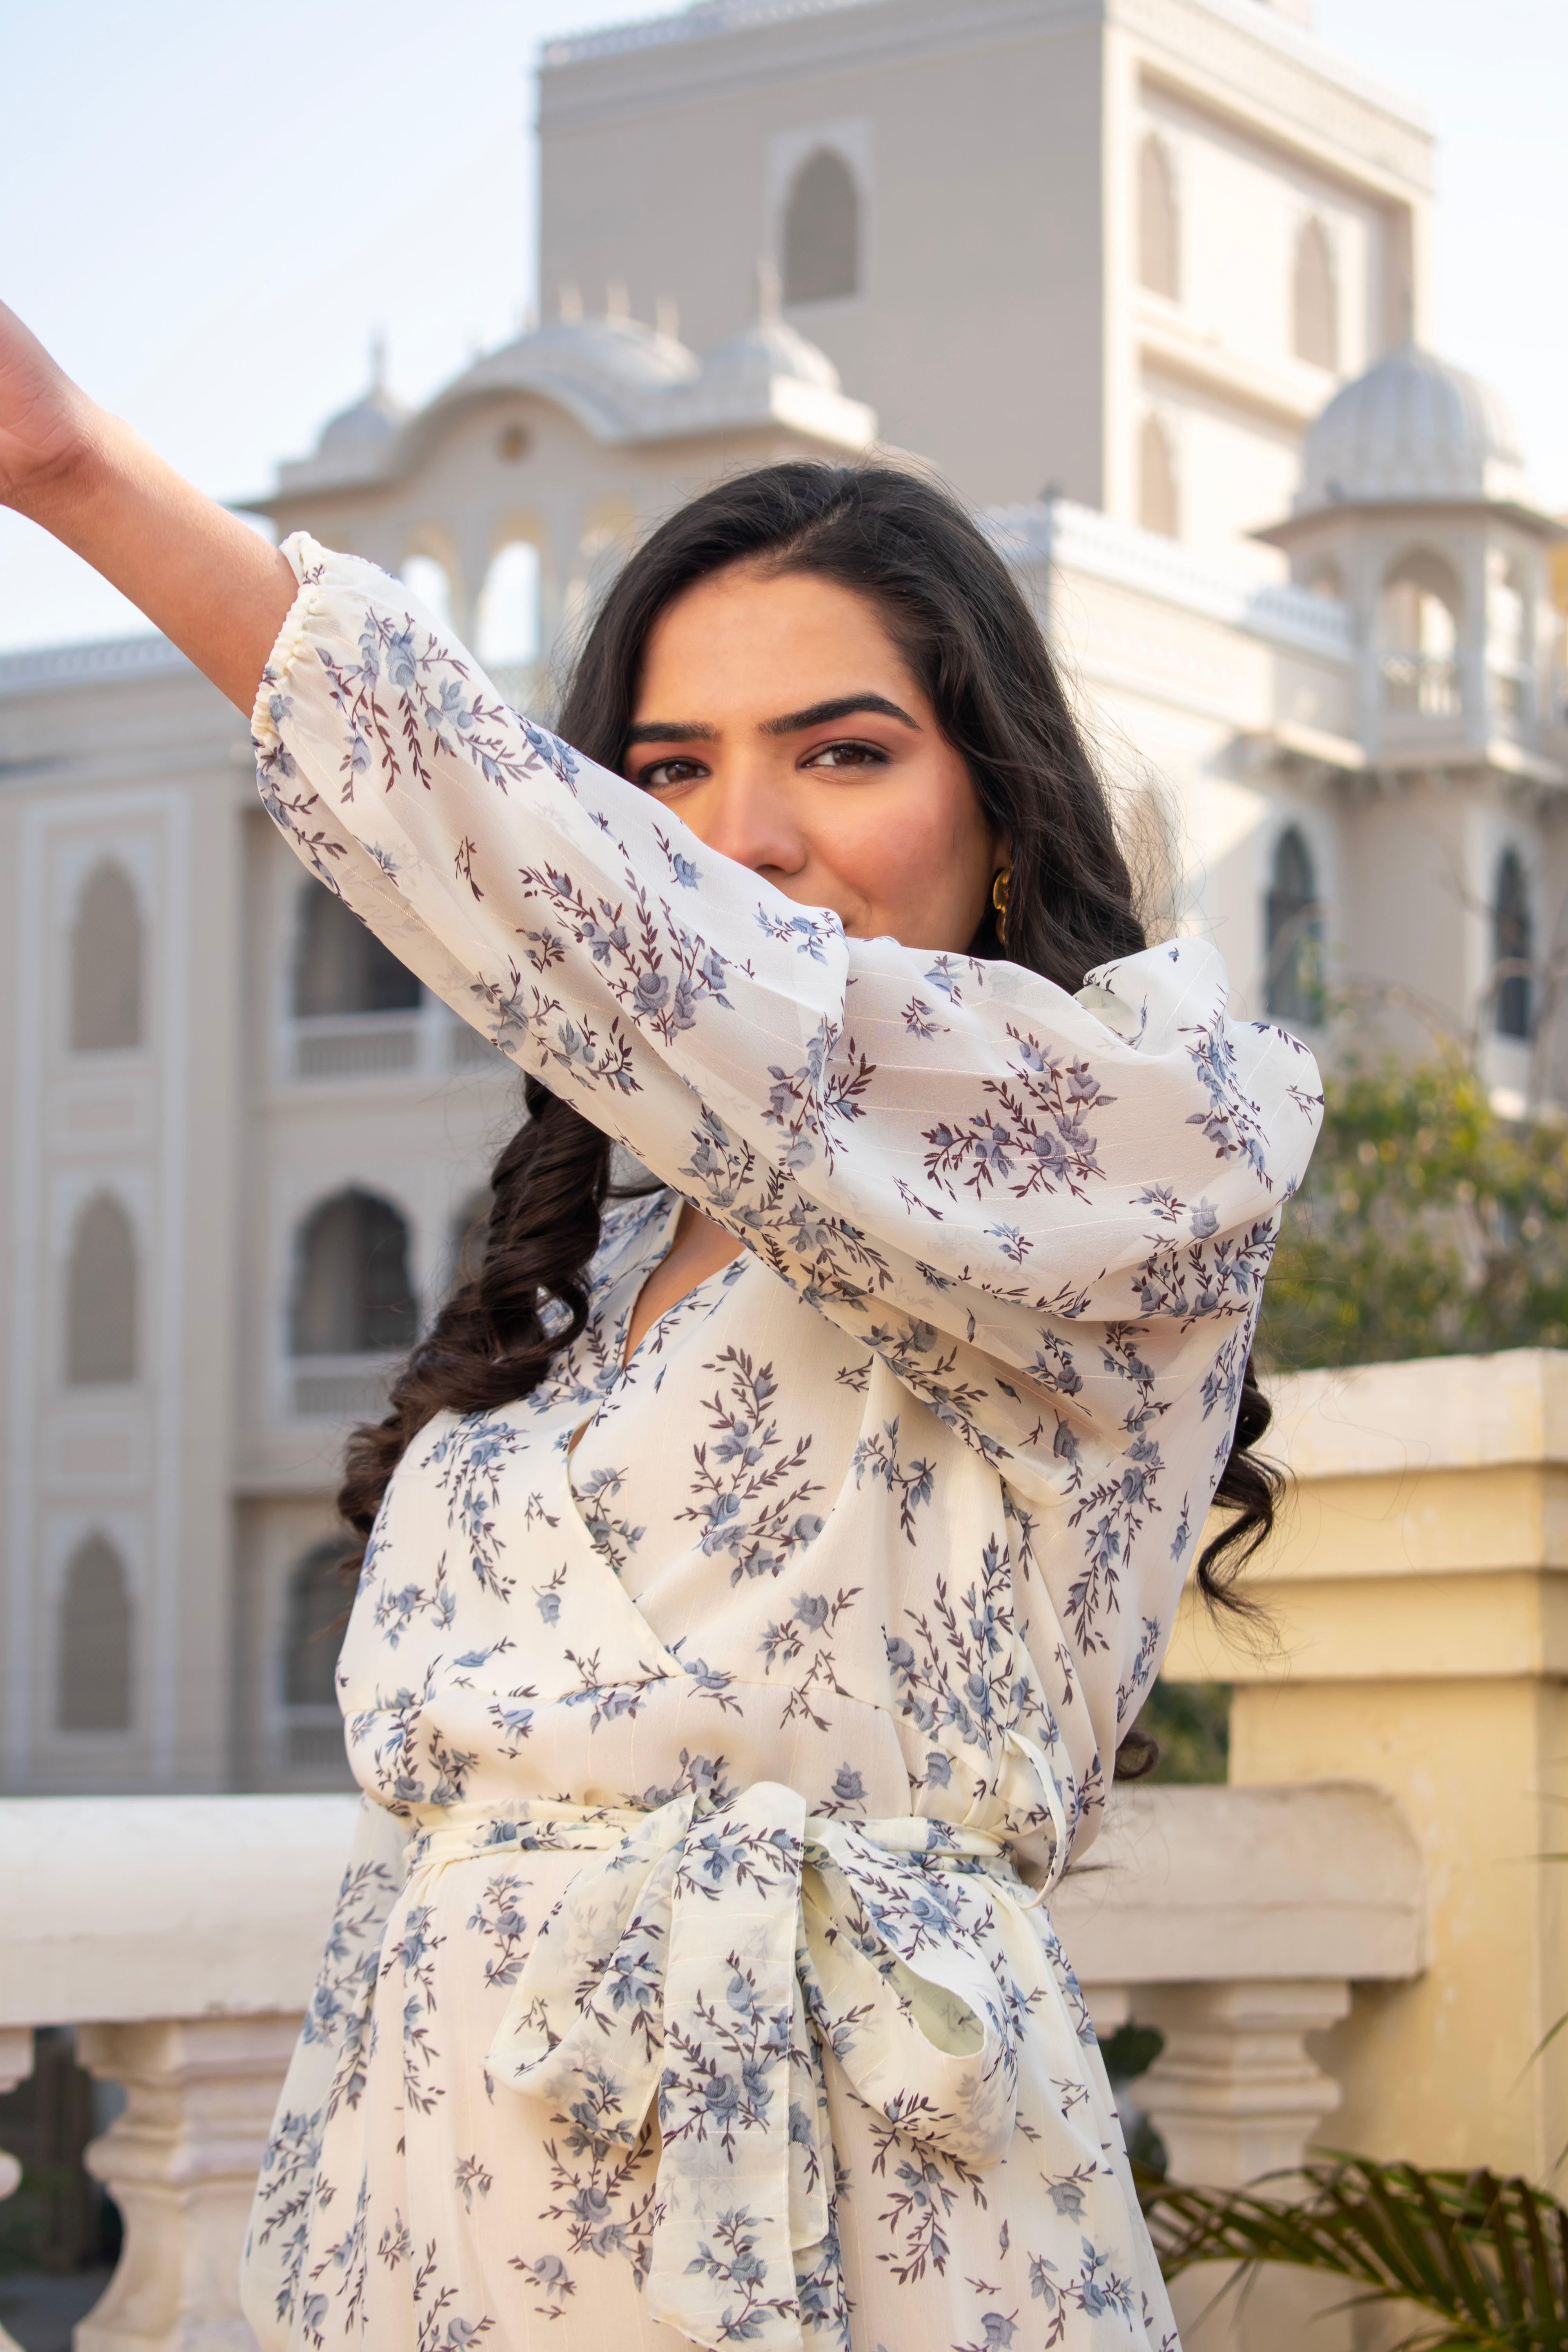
[{"x": 693, "y": 1978}]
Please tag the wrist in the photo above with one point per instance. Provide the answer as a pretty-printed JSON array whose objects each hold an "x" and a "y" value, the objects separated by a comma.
[{"x": 66, "y": 480}]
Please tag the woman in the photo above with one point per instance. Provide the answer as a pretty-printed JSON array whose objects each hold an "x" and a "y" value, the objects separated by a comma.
[{"x": 760, "y": 1568}]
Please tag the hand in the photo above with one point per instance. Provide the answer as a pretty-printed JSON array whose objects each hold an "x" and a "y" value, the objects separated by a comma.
[
  {"x": 197, "y": 573},
  {"x": 46, "y": 423}
]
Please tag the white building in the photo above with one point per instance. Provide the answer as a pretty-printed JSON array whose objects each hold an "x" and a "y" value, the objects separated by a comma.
[{"x": 1130, "y": 247}]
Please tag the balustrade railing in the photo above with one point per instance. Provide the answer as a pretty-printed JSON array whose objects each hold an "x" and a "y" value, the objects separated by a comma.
[
  {"x": 180, "y": 1936},
  {"x": 1420, "y": 686},
  {"x": 425, "y": 1042}
]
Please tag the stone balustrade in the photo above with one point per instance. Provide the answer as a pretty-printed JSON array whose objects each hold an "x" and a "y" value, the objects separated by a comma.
[{"x": 180, "y": 1935}]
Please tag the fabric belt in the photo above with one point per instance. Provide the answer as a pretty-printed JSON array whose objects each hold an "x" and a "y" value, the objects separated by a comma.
[{"x": 682, "y": 1962}]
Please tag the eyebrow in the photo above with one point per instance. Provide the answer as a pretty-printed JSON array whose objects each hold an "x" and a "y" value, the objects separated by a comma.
[{"x": 819, "y": 714}]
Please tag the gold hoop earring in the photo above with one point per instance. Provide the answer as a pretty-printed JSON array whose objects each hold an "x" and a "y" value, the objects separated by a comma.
[{"x": 999, "y": 902}]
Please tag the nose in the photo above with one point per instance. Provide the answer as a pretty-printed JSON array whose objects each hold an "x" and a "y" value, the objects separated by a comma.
[{"x": 745, "y": 814}]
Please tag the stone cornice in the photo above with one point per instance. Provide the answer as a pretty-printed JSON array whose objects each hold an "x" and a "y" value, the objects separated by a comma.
[
  {"x": 1210, "y": 47},
  {"x": 107, "y": 662},
  {"x": 1058, "y": 532}
]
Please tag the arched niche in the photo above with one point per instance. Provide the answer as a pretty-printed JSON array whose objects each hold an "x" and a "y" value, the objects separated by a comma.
[
  {"x": 106, "y": 964},
  {"x": 429, "y": 578},
  {"x": 1315, "y": 301},
  {"x": 1159, "y": 507},
  {"x": 1294, "y": 933},
  {"x": 1513, "y": 950},
  {"x": 1421, "y": 603},
  {"x": 1159, "y": 239},
  {"x": 340, "y": 965},
  {"x": 100, "y": 1296},
  {"x": 822, "y": 231},
  {"x": 507, "y": 629},
  {"x": 316, "y": 1602},
  {"x": 353, "y": 1295},
  {"x": 1420, "y": 611},
  {"x": 93, "y": 1650}
]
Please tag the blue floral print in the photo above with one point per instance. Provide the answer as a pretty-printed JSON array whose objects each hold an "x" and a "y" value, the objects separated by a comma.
[{"x": 726, "y": 1711}]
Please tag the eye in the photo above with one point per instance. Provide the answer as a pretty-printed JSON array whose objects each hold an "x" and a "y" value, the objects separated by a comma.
[
  {"x": 847, "y": 755},
  {"x": 661, "y": 775}
]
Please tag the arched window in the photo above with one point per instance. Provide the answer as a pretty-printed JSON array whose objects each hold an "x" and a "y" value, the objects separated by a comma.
[
  {"x": 1159, "y": 246},
  {"x": 312, "y": 1631},
  {"x": 1419, "y": 621},
  {"x": 1316, "y": 304},
  {"x": 1295, "y": 932},
  {"x": 353, "y": 1295},
  {"x": 94, "y": 1681},
  {"x": 1508, "y": 634},
  {"x": 1157, "y": 504},
  {"x": 432, "y": 584},
  {"x": 100, "y": 1296},
  {"x": 106, "y": 964},
  {"x": 340, "y": 965},
  {"x": 1513, "y": 941},
  {"x": 507, "y": 637},
  {"x": 822, "y": 231}
]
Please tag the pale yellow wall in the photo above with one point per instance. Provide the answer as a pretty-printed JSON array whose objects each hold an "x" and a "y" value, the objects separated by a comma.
[{"x": 1418, "y": 1592}]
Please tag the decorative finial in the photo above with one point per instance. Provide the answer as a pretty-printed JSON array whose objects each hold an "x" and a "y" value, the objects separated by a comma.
[
  {"x": 378, "y": 360},
  {"x": 617, "y": 301},
  {"x": 571, "y": 306},
  {"x": 667, "y": 318},
  {"x": 770, "y": 293}
]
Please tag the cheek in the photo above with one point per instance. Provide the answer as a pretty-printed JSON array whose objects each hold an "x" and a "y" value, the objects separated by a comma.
[{"x": 939, "y": 840}]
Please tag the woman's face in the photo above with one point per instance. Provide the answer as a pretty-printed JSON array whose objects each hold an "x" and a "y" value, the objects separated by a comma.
[{"x": 776, "y": 718}]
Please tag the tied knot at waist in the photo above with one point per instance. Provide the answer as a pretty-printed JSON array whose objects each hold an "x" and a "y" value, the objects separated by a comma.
[{"x": 683, "y": 1963}]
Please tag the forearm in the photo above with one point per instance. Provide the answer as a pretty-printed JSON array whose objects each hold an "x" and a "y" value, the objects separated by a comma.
[
  {"x": 210, "y": 583},
  {"x": 213, "y": 586}
]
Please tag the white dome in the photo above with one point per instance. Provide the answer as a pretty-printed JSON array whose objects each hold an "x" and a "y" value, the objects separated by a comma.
[
  {"x": 769, "y": 348},
  {"x": 1412, "y": 428},
  {"x": 366, "y": 425},
  {"x": 589, "y": 351}
]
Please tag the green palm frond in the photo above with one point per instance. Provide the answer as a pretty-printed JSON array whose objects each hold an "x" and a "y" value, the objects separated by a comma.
[{"x": 1485, "y": 2258}]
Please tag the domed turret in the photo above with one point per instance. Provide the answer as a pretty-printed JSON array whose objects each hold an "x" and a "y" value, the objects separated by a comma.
[
  {"x": 612, "y": 348},
  {"x": 768, "y": 351},
  {"x": 371, "y": 423},
  {"x": 1412, "y": 428},
  {"x": 761, "y": 353}
]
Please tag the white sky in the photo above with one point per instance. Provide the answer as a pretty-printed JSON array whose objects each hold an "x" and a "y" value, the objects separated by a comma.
[{"x": 211, "y": 210}]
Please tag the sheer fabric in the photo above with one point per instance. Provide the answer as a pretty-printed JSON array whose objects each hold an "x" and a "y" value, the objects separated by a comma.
[{"x": 693, "y": 1981}]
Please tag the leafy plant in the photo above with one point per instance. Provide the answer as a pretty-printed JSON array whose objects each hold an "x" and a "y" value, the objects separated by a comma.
[
  {"x": 1191, "y": 1724},
  {"x": 1484, "y": 2260},
  {"x": 1427, "y": 1225}
]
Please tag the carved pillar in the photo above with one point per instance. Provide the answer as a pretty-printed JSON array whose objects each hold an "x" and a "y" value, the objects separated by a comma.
[
  {"x": 1234, "y": 2094},
  {"x": 181, "y": 2162},
  {"x": 15, "y": 2066}
]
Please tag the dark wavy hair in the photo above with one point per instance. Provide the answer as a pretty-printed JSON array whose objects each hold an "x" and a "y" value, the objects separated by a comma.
[{"x": 956, "y": 615}]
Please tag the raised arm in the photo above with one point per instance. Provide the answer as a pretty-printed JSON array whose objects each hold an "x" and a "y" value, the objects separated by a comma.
[{"x": 212, "y": 587}]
